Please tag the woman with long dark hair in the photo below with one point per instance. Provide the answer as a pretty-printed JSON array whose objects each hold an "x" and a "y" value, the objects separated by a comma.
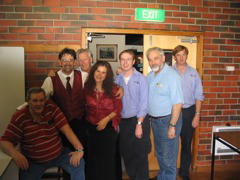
[{"x": 103, "y": 116}]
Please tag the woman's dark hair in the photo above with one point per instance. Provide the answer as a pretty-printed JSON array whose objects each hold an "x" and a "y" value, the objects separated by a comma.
[
  {"x": 67, "y": 51},
  {"x": 108, "y": 82}
]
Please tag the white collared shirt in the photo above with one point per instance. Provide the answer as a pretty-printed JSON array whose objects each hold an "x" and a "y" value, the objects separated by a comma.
[{"x": 48, "y": 86}]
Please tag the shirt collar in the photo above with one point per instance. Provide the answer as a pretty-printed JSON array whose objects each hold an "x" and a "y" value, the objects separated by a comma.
[
  {"x": 65, "y": 76},
  {"x": 28, "y": 114},
  {"x": 134, "y": 72},
  {"x": 175, "y": 67}
]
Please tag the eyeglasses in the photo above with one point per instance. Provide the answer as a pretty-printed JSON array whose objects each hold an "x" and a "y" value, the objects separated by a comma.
[{"x": 67, "y": 60}]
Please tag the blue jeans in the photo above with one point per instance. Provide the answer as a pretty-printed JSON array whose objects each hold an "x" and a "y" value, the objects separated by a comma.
[
  {"x": 36, "y": 170},
  {"x": 166, "y": 149}
]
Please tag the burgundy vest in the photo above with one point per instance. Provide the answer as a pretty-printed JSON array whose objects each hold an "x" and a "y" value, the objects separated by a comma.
[{"x": 72, "y": 106}]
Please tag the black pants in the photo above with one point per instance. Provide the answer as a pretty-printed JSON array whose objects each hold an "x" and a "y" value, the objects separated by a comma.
[
  {"x": 79, "y": 128},
  {"x": 186, "y": 139},
  {"x": 102, "y": 163},
  {"x": 135, "y": 151}
]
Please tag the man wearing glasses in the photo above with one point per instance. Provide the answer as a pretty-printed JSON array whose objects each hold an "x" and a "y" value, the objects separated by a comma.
[{"x": 65, "y": 88}]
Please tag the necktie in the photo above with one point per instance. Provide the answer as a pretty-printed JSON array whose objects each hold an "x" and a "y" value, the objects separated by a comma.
[{"x": 68, "y": 86}]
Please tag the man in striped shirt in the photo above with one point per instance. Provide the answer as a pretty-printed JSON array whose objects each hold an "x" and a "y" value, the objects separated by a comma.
[{"x": 36, "y": 128}]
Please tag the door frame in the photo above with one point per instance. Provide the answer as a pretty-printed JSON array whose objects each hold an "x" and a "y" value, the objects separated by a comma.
[{"x": 199, "y": 57}]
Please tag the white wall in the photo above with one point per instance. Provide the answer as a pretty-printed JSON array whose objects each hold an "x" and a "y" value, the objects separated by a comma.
[
  {"x": 11, "y": 172},
  {"x": 12, "y": 89},
  {"x": 12, "y": 93}
]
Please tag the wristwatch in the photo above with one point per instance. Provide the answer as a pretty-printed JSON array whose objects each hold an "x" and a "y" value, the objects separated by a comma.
[
  {"x": 79, "y": 150},
  {"x": 172, "y": 125}
]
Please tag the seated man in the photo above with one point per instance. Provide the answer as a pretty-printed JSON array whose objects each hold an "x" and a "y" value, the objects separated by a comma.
[{"x": 36, "y": 128}]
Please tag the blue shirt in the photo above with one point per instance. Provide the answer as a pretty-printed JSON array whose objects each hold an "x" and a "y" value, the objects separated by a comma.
[
  {"x": 135, "y": 98},
  {"x": 192, "y": 86},
  {"x": 165, "y": 90}
]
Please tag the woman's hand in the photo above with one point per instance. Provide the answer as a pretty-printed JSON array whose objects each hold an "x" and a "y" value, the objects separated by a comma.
[{"x": 102, "y": 123}]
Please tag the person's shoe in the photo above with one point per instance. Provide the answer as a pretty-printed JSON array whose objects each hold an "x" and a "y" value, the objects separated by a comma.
[{"x": 184, "y": 177}]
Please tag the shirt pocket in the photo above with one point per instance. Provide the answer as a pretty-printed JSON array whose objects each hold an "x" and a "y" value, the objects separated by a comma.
[
  {"x": 192, "y": 79},
  {"x": 161, "y": 88}
]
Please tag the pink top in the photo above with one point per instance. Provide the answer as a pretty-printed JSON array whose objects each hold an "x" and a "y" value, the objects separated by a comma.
[{"x": 100, "y": 105}]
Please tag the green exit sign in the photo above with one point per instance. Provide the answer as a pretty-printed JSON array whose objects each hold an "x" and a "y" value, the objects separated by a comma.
[{"x": 145, "y": 14}]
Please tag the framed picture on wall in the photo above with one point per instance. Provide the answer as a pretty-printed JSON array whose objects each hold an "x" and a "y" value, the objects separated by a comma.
[{"x": 107, "y": 52}]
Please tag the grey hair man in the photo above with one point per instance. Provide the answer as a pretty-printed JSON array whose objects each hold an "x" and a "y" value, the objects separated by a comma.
[
  {"x": 85, "y": 60},
  {"x": 164, "y": 109}
]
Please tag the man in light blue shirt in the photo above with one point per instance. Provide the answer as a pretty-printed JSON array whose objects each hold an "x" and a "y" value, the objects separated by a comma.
[
  {"x": 193, "y": 97},
  {"x": 165, "y": 104},
  {"x": 134, "y": 137}
]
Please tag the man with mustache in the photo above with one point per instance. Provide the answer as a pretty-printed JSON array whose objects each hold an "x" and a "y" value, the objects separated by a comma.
[
  {"x": 71, "y": 103},
  {"x": 164, "y": 109}
]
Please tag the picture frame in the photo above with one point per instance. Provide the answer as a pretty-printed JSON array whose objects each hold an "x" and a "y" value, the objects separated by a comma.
[{"x": 107, "y": 52}]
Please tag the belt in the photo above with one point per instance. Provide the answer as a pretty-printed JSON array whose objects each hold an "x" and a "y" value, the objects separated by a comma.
[
  {"x": 192, "y": 106},
  {"x": 127, "y": 119},
  {"x": 157, "y": 117}
]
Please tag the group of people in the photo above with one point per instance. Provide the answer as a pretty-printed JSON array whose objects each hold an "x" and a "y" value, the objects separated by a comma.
[
  {"x": 175, "y": 99},
  {"x": 82, "y": 117}
]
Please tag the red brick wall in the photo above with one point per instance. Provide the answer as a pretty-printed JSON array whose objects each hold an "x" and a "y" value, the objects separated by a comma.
[{"x": 60, "y": 21}]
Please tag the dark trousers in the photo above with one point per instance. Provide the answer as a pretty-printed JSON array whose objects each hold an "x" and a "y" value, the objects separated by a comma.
[
  {"x": 134, "y": 151},
  {"x": 79, "y": 128},
  {"x": 186, "y": 139},
  {"x": 102, "y": 163}
]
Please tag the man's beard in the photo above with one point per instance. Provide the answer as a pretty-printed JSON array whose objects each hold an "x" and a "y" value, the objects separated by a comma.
[{"x": 157, "y": 68}]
